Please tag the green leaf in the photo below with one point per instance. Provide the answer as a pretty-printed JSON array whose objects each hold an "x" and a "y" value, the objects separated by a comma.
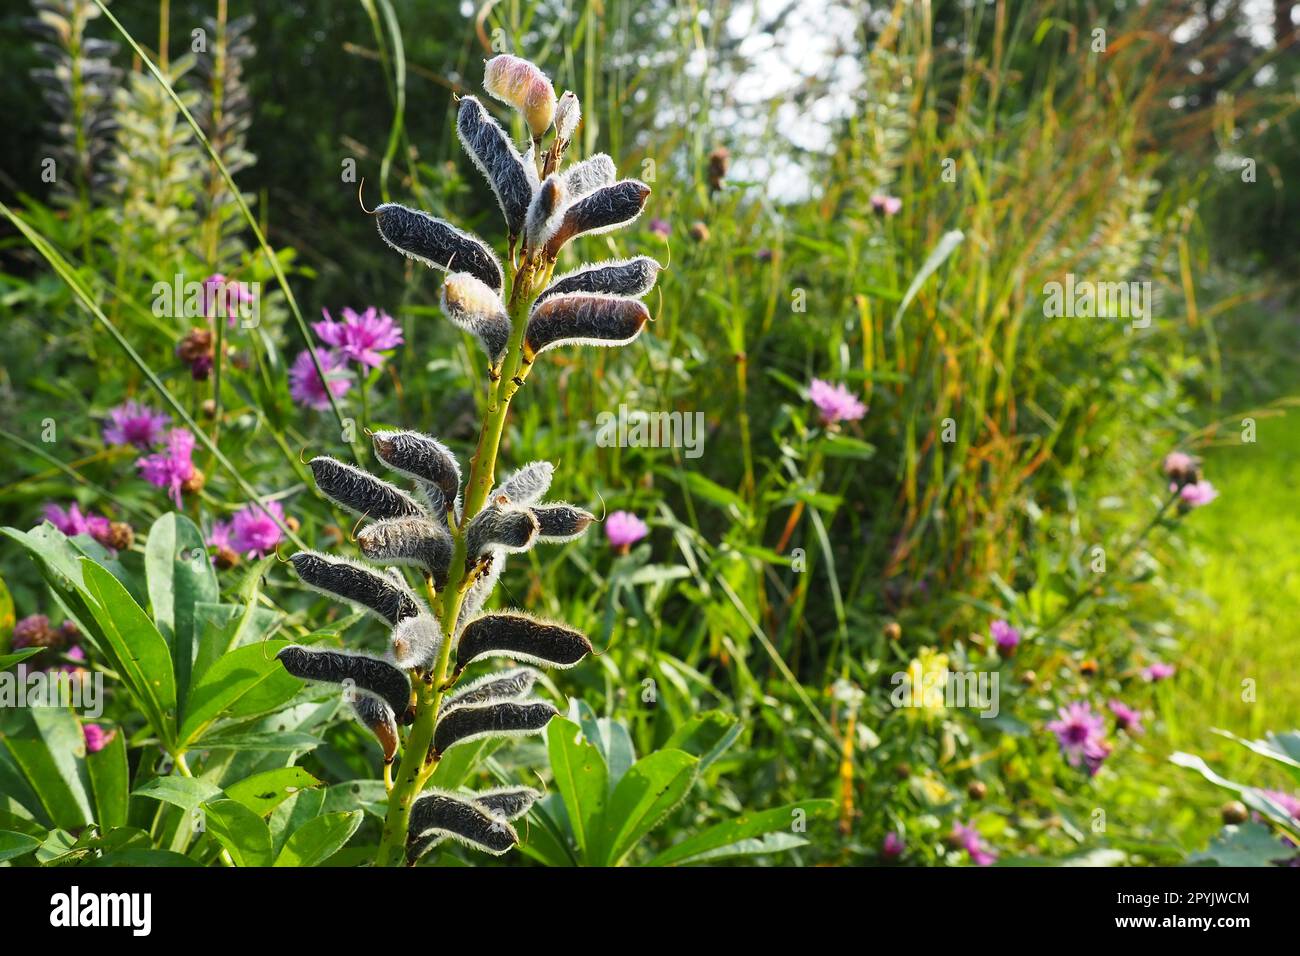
[
  {"x": 582, "y": 779},
  {"x": 14, "y": 845},
  {"x": 457, "y": 764},
  {"x": 184, "y": 792},
  {"x": 7, "y": 619},
  {"x": 135, "y": 648},
  {"x": 712, "y": 492},
  {"x": 1251, "y": 844},
  {"x": 17, "y": 657},
  {"x": 241, "y": 831},
  {"x": 837, "y": 445},
  {"x": 179, "y": 575},
  {"x": 647, "y": 793},
  {"x": 765, "y": 845},
  {"x": 110, "y": 781},
  {"x": 143, "y": 856},
  {"x": 246, "y": 682},
  {"x": 263, "y": 792},
  {"x": 271, "y": 741},
  {"x": 743, "y": 827},
  {"x": 707, "y": 736},
  {"x": 317, "y": 840},
  {"x": 368, "y": 795},
  {"x": 47, "y": 746},
  {"x": 942, "y": 250}
]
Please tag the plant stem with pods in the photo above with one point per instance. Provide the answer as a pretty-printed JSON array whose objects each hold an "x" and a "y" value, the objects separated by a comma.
[{"x": 418, "y": 762}]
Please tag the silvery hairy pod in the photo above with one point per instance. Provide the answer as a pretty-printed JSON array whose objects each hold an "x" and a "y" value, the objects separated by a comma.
[
  {"x": 546, "y": 212},
  {"x": 336, "y": 667},
  {"x": 361, "y": 492},
  {"x": 568, "y": 112},
  {"x": 522, "y": 637},
  {"x": 589, "y": 175},
  {"x": 558, "y": 522},
  {"x": 437, "y": 243},
  {"x": 526, "y": 485},
  {"x": 495, "y": 155},
  {"x": 623, "y": 277},
  {"x": 416, "y": 641},
  {"x": 508, "y": 802},
  {"x": 500, "y": 528},
  {"x": 378, "y": 716},
  {"x": 439, "y": 815},
  {"x": 471, "y": 305},
  {"x": 419, "y": 542},
  {"x": 511, "y": 684},
  {"x": 508, "y": 718},
  {"x": 519, "y": 83},
  {"x": 382, "y": 595},
  {"x": 583, "y": 319},
  {"x": 604, "y": 209},
  {"x": 421, "y": 457}
]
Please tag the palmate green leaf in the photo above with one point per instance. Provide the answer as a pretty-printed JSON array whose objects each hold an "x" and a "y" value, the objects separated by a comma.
[
  {"x": 263, "y": 792},
  {"x": 179, "y": 575},
  {"x": 242, "y": 832},
  {"x": 14, "y": 845},
  {"x": 246, "y": 682},
  {"x": 582, "y": 779},
  {"x": 294, "y": 813},
  {"x": 610, "y": 737},
  {"x": 17, "y": 657},
  {"x": 110, "y": 781},
  {"x": 184, "y": 792},
  {"x": 648, "y": 792},
  {"x": 47, "y": 745},
  {"x": 317, "y": 840},
  {"x": 744, "y": 827},
  {"x": 135, "y": 648}
]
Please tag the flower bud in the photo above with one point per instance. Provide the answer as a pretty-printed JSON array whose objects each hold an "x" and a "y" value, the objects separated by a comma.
[
  {"x": 719, "y": 163},
  {"x": 567, "y": 114},
  {"x": 519, "y": 83}
]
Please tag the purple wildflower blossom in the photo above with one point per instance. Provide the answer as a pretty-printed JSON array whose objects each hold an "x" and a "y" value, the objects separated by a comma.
[
  {"x": 1081, "y": 735},
  {"x": 1195, "y": 494},
  {"x": 134, "y": 423},
  {"x": 223, "y": 295},
  {"x": 361, "y": 337},
  {"x": 970, "y": 840},
  {"x": 893, "y": 846},
  {"x": 254, "y": 531},
  {"x": 1126, "y": 718},
  {"x": 1157, "y": 672},
  {"x": 305, "y": 385},
  {"x": 1287, "y": 801},
  {"x": 835, "y": 402},
  {"x": 170, "y": 469},
  {"x": 1006, "y": 637},
  {"x": 660, "y": 228},
  {"x": 96, "y": 737},
  {"x": 884, "y": 205},
  {"x": 624, "y": 529}
]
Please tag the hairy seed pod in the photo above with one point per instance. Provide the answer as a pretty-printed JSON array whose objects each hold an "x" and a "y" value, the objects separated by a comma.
[
  {"x": 510, "y": 803},
  {"x": 361, "y": 492},
  {"x": 416, "y": 641},
  {"x": 421, "y": 457},
  {"x": 601, "y": 210},
  {"x": 437, "y": 813},
  {"x": 583, "y": 319},
  {"x": 589, "y": 175},
  {"x": 477, "y": 309},
  {"x": 499, "y": 527},
  {"x": 502, "y": 685},
  {"x": 521, "y": 84},
  {"x": 334, "y": 667},
  {"x": 378, "y": 716},
  {"x": 545, "y": 213},
  {"x": 626, "y": 277},
  {"x": 522, "y": 637},
  {"x": 436, "y": 243},
  {"x": 560, "y": 522},
  {"x": 509, "y": 718},
  {"x": 495, "y": 155},
  {"x": 421, "y": 542},
  {"x": 567, "y": 114},
  {"x": 527, "y": 485},
  {"x": 416, "y": 847},
  {"x": 358, "y": 585}
]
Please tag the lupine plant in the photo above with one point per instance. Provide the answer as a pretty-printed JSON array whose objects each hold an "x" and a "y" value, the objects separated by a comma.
[{"x": 455, "y": 531}]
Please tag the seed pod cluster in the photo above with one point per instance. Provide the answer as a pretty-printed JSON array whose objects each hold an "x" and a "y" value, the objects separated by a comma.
[
  {"x": 437, "y": 243},
  {"x": 477, "y": 309},
  {"x": 510, "y": 718},
  {"x": 367, "y": 673},
  {"x": 583, "y": 319},
  {"x": 522, "y": 637}
]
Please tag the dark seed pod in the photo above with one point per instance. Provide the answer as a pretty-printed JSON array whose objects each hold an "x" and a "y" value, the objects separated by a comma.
[
  {"x": 421, "y": 542},
  {"x": 627, "y": 277},
  {"x": 421, "y": 457},
  {"x": 367, "y": 673},
  {"x": 477, "y": 309},
  {"x": 527, "y": 485},
  {"x": 508, "y": 718},
  {"x": 416, "y": 641},
  {"x": 508, "y": 802},
  {"x": 498, "y": 527},
  {"x": 441, "y": 814},
  {"x": 378, "y": 716},
  {"x": 361, "y": 492},
  {"x": 602, "y": 210},
  {"x": 560, "y": 522},
  {"x": 356, "y": 584},
  {"x": 589, "y": 175},
  {"x": 503, "y": 685},
  {"x": 546, "y": 212},
  {"x": 437, "y": 243},
  {"x": 495, "y": 155},
  {"x": 416, "y": 847},
  {"x": 522, "y": 637},
  {"x": 583, "y": 319}
]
